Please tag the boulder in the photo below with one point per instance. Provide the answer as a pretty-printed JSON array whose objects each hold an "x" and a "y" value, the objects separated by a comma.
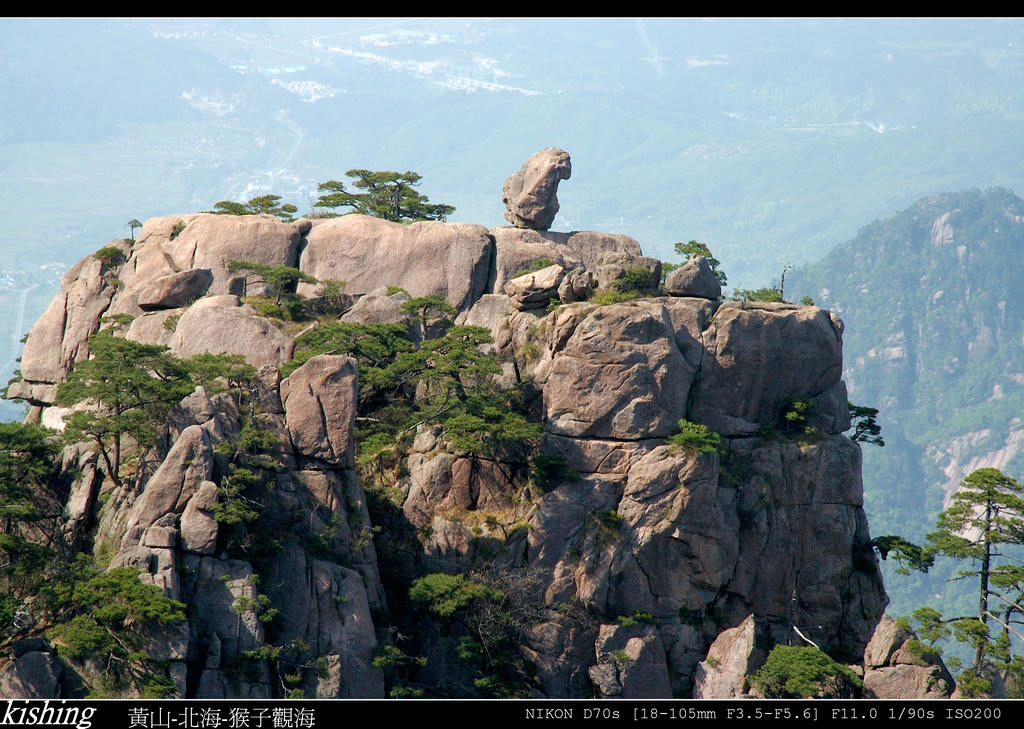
[
  {"x": 620, "y": 375},
  {"x": 223, "y": 596},
  {"x": 693, "y": 278},
  {"x": 611, "y": 267},
  {"x": 224, "y": 325},
  {"x": 58, "y": 339},
  {"x": 188, "y": 464},
  {"x": 535, "y": 289},
  {"x": 733, "y": 656},
  {"x": 176, "y": 289},
  {"x": 630, "y": 663},
  {"x": 32, "y": 675},
  {"x": 517, "y": 249},
  {"x": 761, "y": 357},
  {"x": 378, "y": 307},
  {"x": 170, "y": 246},
  {"x": 154, "y": 327},
  {"x": 896, "y": 668},
  {"x": 198, "y": 528},
  {"x": 530, "y": 194},
  {"x": 319, "y": 400},
  {"x": 448, "y": 259},
  {"x": 682, "y": 528},
  {"x": 590, "y": 246}
]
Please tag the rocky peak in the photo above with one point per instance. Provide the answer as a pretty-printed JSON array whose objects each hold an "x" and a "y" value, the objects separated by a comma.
[{"x": 629, "y": 552}]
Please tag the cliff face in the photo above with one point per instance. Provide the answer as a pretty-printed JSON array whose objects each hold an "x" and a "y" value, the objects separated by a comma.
[{"x": 622, "y": 566}]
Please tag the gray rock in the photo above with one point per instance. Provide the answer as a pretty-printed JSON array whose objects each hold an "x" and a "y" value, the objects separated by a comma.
[
  {"x": 319, "y": 401},
  {"x": 535, "y": 289},
  {"x": 693, "y": 278},
  {"x": 620, "y": 375},
  {"x": 198, "y": 528},
  {"x": 378, "y": 307},
  {"x": 223, "y": 325},
  {"x": 530, "y": 194},
  {"x": 328, "y": 609},
  {"x": 58, "y": 339},
  {"x": 206, "y": 241},
  {"x": 612, "y": 267},
  {"x": 734, "y": 655},
  {"x": 631, "y": 662},
  {"x": 187, "y": 465},
  {"x": 154, "y": 327},
  {"x": 893, "y": 671},
  {"x": 32, "y": 675},
  {"x": 448, "y": 259},
  {"x": 176, "y": 289},
  {"x": 761, "y": 357}
]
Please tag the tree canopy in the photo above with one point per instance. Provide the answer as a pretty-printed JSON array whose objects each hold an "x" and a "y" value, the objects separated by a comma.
[
  {"x": 386, "y": 194},
  {"x": 984, "y": 520},
  {"x": 129, "y": 386},
  {"x": 267, "y": 204}
]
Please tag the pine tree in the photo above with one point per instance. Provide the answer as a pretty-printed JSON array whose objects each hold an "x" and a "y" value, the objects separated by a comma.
[{"x": 388, "y": 195}]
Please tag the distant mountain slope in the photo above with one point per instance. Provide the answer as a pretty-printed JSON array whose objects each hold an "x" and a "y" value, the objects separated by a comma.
[{"x": 934, "y": 338}]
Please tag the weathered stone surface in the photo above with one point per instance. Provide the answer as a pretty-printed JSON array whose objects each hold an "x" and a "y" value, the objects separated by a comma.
[
  {"x": 535, "y": 289},
  {"x": 319, "y": 401},
  {"x": 176, "y": 289},
  {"x": 58, "y": 339},
  {"x": 491, "y": 311},
  {"x": 187, "y": 465},
  {"x": 214, "y": 587},
  {"x": 198, "y": 528},
  {"x": 591, "y": 246},
  {"x": 630, "y": 663},
  {"x": 563, "y": 521},
  {"x": 682, "y": 530},
  {"x": 620, "y": 375},
  {"x": 760, "y": 357},
  {"x": 690, "y": 318},
  {"x": 893, "y": 671},
  {"x": 448, "y": 259},
  {"x": 611, "y": 267},
  {"x": 804, "y": 533},
  {"x": 591, "y": 455},
  {"x": 330, "y": 612},
  {"x": 223, "y": 325},
  {"x": 576, "y": 286},
  {"x": 32, "y": 675},
  {"x": 517, "y": 249},
  {"x": 442, "y": 482},
  {"x": 530, "y": 194},
  {"x": 885, "y": 641},
  {"x": 562, "y": 654},
  {"x": 154, "y": 327},
  {"x": 693, "y": 278},
  {"x": 205, "y": 241},
  {"x": 378, "y": 307},
  {"x": 734, "y": 655}
]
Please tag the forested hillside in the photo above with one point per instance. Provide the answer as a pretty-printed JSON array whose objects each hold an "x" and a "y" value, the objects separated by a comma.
[{"x": 934, "y": 316}]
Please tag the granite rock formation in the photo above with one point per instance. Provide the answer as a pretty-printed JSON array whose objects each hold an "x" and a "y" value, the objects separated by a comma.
[{"x": 637, "y": 564}]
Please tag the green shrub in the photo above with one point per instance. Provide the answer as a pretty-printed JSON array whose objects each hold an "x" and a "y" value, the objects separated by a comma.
[
  {"x": 444, "y": 594},
  {"x": 695, "y": 437},
  {"x": 628, "y": 621},
  {"x": 550, "y": 471},
  {"x": 768, "y": 293},
  {"x": 798, "y": 672},
  {"x": 110, "y": 256},
  {"x": 176, "y": 230},
  {"x": 637, "y": 280}
]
